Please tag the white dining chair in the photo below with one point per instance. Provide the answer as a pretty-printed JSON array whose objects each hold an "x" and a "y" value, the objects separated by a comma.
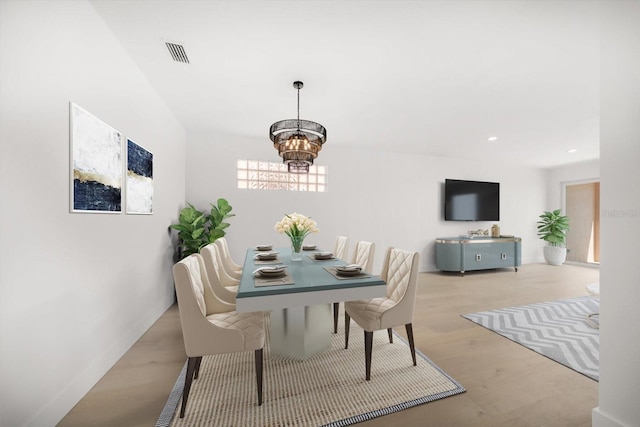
[
  {"x": 400, "y": 272},
  {"x": 222, "y": 285},
  {"x": 363, "y": 256},
  {"x": 342, "y": 247},
  {"x": 232, "y": 269},
  {"x": 208, "y": 327}
]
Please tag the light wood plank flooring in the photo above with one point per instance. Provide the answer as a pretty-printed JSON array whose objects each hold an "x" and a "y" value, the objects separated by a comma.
[{"x": 507, "y": 384}]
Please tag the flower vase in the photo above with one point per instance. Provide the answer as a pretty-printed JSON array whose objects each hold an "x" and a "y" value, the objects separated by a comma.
[{"x": 296, "y": 248}]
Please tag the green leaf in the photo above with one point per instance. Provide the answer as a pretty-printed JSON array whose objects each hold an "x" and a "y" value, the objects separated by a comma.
[
  {"x": 224, "y": 207},
  {"x": 215, "y": 235},
  {"x": 197, "y": 233}
]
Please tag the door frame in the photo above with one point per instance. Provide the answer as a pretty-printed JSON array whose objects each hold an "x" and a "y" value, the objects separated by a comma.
[{"x": 563, "y": 195}]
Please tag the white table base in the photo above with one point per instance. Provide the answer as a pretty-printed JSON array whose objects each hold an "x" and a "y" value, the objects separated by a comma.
[{"x": 301, "y": 332}]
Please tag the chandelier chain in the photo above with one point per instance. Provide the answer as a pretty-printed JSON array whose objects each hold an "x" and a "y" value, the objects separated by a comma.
[{"x": 298, "y": 109}]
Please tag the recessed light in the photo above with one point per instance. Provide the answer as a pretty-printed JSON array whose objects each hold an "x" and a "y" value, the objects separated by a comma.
[
  {"x": 492, "y": 138},
  {"x": 572, "y": 150}
]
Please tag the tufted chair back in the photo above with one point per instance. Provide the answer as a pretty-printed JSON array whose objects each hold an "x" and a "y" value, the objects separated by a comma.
[
  {"x": 342, "y": 247},
  {"x": 400, "y": 271},
  {"x": 224, "y": 287},
  {"x": 231, "y": 269},
  {"x": 223, "y": 246},
  {"x": 363, "y": 255},
  {"x": 204, "y": 296}
]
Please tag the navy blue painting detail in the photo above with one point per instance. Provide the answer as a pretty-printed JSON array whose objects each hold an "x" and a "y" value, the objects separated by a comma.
[
  {"x": 94, "y": 196},
  {"x": 139, "y": 160}
]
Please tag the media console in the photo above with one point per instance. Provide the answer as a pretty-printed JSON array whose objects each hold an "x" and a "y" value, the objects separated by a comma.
[{"x": 477, "y": 253}]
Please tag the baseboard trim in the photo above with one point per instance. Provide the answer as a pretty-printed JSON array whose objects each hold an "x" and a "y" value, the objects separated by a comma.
[
  {"x": 67, "y": 398},
  {"x": 600, "y": 419}
]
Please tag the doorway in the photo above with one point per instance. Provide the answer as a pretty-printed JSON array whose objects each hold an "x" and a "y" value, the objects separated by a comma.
[{"x": 583, "y": 209}]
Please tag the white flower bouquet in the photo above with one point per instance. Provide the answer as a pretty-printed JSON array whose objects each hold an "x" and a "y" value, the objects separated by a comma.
[{"x": 296, "y": 226}]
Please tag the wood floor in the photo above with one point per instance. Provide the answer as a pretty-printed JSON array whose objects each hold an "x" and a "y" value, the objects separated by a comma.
[{"x": 507, "y": 384}]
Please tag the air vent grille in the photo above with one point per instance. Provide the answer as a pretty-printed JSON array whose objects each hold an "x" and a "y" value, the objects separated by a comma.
[{"x": 177, "y": 52}]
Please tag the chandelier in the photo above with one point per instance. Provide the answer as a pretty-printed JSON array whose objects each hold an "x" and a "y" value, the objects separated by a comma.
[{"x": 297, "y": 141}]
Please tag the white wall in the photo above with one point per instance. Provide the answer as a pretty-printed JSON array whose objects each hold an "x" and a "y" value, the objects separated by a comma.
[
  {"x": 389, "y": 198},
  {"x": 620, "y": 217},
  {"x": 77, "y": 290},
  {"x": 573, "y": 173}
]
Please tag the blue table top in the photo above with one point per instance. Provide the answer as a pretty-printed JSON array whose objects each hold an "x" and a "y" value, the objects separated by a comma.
[{"x": 309, "y": 276}]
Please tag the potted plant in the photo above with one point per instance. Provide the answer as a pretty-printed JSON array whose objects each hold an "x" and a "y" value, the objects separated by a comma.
[
  {"x": 197, "y": 228},
  {"x": 552, "y": 228}
]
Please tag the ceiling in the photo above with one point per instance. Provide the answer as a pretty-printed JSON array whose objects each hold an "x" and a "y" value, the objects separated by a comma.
[{"x": 429, "y": 77}]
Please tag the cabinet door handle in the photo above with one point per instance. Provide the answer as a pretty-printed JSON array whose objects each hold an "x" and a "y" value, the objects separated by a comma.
[
  {"x": 478, "y": 257},
  {"x": 503, "y": 255}
]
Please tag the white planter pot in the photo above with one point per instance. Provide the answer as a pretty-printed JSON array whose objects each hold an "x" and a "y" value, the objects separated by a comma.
[{"x": 554, "y": 255}]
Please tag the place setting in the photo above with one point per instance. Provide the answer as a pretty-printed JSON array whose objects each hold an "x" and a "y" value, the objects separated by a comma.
[
  {"x": 322, "y": 256},
  {"x": 272, "y": 276},
  {"x": 350, "y": 271},
  {"x": 266, "y": 257}
]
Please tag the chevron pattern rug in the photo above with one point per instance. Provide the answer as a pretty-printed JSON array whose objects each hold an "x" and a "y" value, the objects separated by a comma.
[
  {"x": 559, "y": 330},
  {"x": 328, "y": 389}
]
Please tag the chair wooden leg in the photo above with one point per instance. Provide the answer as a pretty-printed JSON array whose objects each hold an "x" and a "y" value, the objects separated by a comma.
[
  {"x": 390, "y": 332},
  {"x": 259, "y": 373},
  {"x": 336, "y": 307},
  {"x": 368, "y": 348},
  {"x": 191, "y": 366},
  {"x": 196, "y": 372},
  {"x": 347, "y": 322},
  {"x": 409, "y": 328}
]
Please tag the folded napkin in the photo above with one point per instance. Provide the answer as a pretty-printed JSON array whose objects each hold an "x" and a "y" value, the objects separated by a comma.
[{"x": 313, "y": 258}]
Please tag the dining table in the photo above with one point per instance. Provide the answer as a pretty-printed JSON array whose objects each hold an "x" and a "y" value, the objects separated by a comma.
[{"x": 299, "y": 302}]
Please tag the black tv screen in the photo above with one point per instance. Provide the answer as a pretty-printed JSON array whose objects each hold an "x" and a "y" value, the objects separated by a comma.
[{"x": 471, "y": 200}]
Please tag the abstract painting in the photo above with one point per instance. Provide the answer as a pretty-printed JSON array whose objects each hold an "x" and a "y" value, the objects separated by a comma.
[
  {"x": 96, "y": 163},
  {"x": 139, "y": 193}
]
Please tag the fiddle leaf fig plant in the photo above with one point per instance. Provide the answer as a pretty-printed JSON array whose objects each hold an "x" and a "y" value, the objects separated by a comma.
[
  {"x": 553, "y": 227},
  {"x": 216, "y": 219},
  {"x": 197, "y": 229}
]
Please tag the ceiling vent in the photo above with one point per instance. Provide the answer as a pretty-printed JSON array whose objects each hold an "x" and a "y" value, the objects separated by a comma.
[{"x": 177, "y": 52}]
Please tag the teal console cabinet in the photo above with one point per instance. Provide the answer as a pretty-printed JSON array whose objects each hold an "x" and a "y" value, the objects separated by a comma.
[{"x": 478, "y": 253}]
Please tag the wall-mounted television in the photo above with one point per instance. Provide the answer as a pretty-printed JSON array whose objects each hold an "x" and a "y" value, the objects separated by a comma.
[{"x": 471, "y": 200}]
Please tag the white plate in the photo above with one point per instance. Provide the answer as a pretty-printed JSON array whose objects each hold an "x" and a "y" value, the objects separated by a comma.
[
  {"x": 348, "y": 272},
  {"x": 308, "y": 247},
  {"x": 264, "y": 247},
  {"x": 348, "y": 268},
  {"x": 271, "y": 271}
]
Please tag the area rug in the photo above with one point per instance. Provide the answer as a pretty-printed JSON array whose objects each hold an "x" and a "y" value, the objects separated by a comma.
[
  {"x": 559, "y": 330},
  {"x": 328, "y": 389}
]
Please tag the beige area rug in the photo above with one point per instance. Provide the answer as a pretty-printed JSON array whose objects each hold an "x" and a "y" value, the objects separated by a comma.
[{"x": 328, "y": 389}]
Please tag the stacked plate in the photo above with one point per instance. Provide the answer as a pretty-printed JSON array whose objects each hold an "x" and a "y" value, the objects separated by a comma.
[
  {"x": 348, "y": 270},
  {"x": 323, "y": 255},
  {"x": 264, "y": 247},
  {"x": 266, "y": 256},
  {"x": 273, "y": 271},
  {"x": 308, "y": 247}
]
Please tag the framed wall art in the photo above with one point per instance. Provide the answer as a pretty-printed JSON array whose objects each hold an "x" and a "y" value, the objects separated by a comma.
[
  {"x": 139, "y": 191},
  {"x": 96, "y": 164}
]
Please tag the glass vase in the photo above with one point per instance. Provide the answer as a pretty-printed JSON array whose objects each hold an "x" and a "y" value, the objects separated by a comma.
[{"x": 296, "y": 248}]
